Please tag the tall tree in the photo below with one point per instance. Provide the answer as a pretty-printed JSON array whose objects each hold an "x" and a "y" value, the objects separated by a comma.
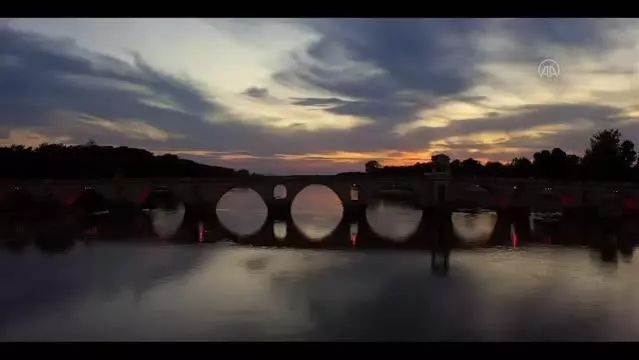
[
  {"x": 628, "y": 153},
  {"x": 372, "y": 166},
  {"x": 608, "y": 157}
]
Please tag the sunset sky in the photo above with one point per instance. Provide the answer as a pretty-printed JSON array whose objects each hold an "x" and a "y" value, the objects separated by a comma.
[{"x": 318, "y": 95}]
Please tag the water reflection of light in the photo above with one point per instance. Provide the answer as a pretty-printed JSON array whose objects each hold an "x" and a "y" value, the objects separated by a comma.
[
  {"x": 316, "y": 211},
  {"x": 353, "y": 232},
  {"x": 242, "y": 211},
  {"x": 474, "y": 228},
  {"x": 279, "y": 230},
  {"x": 393, "y": 220},
  {"x": 166, "y": 222},
  {"x": 200, "y": 232}
]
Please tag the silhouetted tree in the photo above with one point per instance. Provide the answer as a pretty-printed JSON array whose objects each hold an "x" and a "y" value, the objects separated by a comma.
[
  {"x": 521, "y": 167},
  {"x": 58, "y": 161},
  {"x": 372, "y": 166},
  {"x": 628, "y": 153},
  {"x": 608, "y": 157},
  {"x": 471, "y": 166}
]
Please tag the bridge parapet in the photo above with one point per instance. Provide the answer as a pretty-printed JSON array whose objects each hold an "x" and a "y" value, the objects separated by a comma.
[
  {"x": 426, "y": 190},
  {"x": 541, "y": 194}
]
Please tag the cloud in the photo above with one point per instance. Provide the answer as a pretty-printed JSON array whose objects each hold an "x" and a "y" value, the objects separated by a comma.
[
  {"x": 133, "y": 129},
  {"x": 55, "y": 76},
  {"x": 257, "y": 92},
  {"x": 332, "y": 93}
]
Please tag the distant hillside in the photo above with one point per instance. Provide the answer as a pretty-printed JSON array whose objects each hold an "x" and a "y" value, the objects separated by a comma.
[{"x": 54, "y": 161}]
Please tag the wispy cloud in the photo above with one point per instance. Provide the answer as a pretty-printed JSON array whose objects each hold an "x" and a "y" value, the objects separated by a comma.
[{"x": 318, "y": 94}]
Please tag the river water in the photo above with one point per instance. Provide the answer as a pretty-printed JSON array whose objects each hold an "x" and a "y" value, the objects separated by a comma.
[{"x": 547, "y": 288}]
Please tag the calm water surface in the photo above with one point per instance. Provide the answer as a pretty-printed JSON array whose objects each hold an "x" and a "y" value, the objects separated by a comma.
[{"x": 141, "y": 290}]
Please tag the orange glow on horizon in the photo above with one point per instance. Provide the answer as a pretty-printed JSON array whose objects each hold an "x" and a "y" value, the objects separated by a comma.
[{"x": 310, "y": 161}]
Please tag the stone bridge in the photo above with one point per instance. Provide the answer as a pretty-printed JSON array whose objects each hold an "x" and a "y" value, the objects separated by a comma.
[
  {"x": 435, "y": 230},
  {"x": 352, "y": 191},
  {"x": 541, "y": 195},
  {"x": 355, "y": 192}
]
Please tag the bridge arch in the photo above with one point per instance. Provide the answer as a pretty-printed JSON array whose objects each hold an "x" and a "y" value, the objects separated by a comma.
[
  {"x": 90, "y": 200},
  {"x": 159, "y": 197},
  {"x": 242, "y": 210},
  {"x": 549, "y": 200},
  {"x": 404, "y": 221},
  {"x": 322, "y": 205},
  {"x": 344, "y": 199}
]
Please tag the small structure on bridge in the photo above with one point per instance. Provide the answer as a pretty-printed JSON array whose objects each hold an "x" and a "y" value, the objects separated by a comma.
[{"x": 441, "y": 162}]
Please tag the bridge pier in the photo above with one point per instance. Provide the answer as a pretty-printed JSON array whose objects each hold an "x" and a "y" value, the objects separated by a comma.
[{"x": 280, "y": 209}]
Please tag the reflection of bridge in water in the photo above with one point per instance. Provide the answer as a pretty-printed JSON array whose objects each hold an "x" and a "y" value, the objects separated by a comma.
[{"x": 434, "y": 231}]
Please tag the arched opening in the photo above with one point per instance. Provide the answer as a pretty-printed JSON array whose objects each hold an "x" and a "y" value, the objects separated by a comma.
[
  {"x": 18, "y": 195},
  {"x": 475, "y": 196},
  {"x": 548, "y": 205},
  {"x": 91, "y": 202},
  {"x": 165, "y": 210},
  {"x": 279, "y": 192},
  {"x": 160, "y": 197},
  {"x": 20, "y": 203},
  {"x": 393, "y": 220},
  {"x": 316, "y": 211},
  {"x": 474, "y": 228},
  {"x": 354, "y": 192},
  {"x": 54, "y": 238},
  {"x": 241, "y": 211},
  {"x": 611, "y": 205}
]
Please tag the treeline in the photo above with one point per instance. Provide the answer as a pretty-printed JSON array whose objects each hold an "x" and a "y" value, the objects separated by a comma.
[
  {"x": 57, "y": 161},
  {"x": 609, "y": 157}
]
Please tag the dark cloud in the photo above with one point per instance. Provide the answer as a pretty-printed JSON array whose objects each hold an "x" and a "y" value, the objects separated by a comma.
[
  {"x": 402, "y": 67},
  {"x": 581, "y": 33},
  {"x": 257, "y": 92},
  {"x": 50, "y": 75},
  {"x": 435, "y": 59},
  {"x": 412, "y": 57}
]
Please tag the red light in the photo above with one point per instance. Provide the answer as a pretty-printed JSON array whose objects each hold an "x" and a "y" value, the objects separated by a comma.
[
  {"x": 70, "y": 199},
  {"x": 200, "y": 232},
  {"x": 144, "y": 195},
  {"x": 567, "y": 199}
]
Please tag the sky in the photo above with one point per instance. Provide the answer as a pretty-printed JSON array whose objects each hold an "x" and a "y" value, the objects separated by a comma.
[{"x": 280, "y": 96}]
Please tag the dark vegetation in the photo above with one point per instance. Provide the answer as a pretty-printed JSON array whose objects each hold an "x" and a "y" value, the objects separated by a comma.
[
  {"x": 608, "y": 158},
  {"x": 56, "y": 161}
]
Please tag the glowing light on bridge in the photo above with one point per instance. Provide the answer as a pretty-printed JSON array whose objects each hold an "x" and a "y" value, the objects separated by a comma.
[
  {"x": 354, "y": 230},
  {"x": 631, "y": 203},
  {"x": 567, "y": 199},
  {"x": 70, "y": 199},
  {"x": 200, "y": 232}
]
